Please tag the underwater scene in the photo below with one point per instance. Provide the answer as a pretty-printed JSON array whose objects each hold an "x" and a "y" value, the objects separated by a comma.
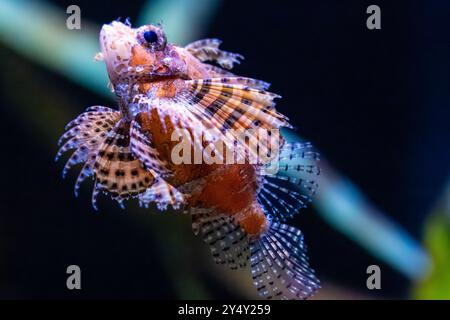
[{"x": 224, "y": 150}]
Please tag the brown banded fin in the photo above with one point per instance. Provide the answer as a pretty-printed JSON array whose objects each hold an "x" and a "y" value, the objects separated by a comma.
[
  {"x": 231, "y": 103},
  {"x": 86, "y": 134},
  {"x": 116, "y": 169},
  {"x": 208, "y": 50},
  {"x": 217, "y": 72},
  {"x": 232, "y": 108},
  {"x": 88, "y": 130},
  {"x": 142, "y": 149}
]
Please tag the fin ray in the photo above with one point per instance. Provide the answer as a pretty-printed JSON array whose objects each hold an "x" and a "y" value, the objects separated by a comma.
[
  {"x": 163, "y": 194},
  {"x": 228, "y": 242},
  {"x": 291, "y": 189},
  {"x": 208, "y": 50},
  {"x": 140, "y": 146},
  {"x": 280, "y": 268},
  {"x": 116, "y": 169}
]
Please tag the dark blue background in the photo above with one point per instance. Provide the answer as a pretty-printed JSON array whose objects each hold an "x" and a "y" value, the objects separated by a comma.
[{"x": 375, "y": 103}]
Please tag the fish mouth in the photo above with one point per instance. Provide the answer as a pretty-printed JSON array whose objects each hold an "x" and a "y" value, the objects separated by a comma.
[{"x": 115, "y": 43}]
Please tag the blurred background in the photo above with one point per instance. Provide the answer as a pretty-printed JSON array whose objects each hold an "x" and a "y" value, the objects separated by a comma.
[{"x": 375, "y": 103}]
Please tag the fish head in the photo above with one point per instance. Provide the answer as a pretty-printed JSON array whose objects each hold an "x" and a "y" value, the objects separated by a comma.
[{"x": 139, "y": 54}]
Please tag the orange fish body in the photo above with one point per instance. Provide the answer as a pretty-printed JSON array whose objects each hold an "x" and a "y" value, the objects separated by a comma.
[
  {"x": 170, "y": 142},
  {"x": 229, "y": 189},
  {"x": 214, "y": 192}
]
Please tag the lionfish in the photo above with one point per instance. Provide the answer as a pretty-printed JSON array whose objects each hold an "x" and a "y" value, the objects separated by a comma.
[{"x": 236, "y": 208}]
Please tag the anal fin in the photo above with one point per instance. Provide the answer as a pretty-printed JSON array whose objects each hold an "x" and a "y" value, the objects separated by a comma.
[{"x": 228, "y": 242}]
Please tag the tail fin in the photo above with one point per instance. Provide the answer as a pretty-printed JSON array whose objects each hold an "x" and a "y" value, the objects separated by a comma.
[{"x": 279, "y": 264}]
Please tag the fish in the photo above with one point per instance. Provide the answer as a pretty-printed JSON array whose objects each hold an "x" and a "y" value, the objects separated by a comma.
[{"x": 173, "y": 101}]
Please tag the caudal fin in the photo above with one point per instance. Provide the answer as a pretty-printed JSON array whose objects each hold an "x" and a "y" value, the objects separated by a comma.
[{"x": 279, "y": 264}]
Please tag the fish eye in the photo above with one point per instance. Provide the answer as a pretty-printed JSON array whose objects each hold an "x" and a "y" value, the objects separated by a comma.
[{"x": 150, "y": 36}]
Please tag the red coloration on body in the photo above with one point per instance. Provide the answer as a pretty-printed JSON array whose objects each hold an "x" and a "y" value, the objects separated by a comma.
[{"x": 229, "y": 189}]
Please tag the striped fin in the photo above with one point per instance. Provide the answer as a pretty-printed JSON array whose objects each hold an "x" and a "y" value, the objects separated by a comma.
[
  {"x": 208, "y": 50},
  {"x": 85, "y": 173},
  {"x": 204, "y": 43},
  {"x": 291, "y": 189},
  {"x": 116, "y": 169},
  {"x": 94, "y": 113},
  {"x": 85, "y": 134},
  {"x": 216, "y": 72},
  {"x": 228, "y": 242},
  {"x": 231, "y": 107},
  {"x": 231, "y": 103},
  {"x": 87, "y": 131},
  {"x": 163, "y": 194},
  {"x": 142, "y": 149},
  {"x": 280, "y": 268},
  {"x": 249, "y": 82}
]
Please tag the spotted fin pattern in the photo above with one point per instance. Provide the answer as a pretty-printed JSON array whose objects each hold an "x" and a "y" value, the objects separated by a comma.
[
  {"x": 116, "y": 169},
  {"x": 208, "y": 50},
  {"x": 86, "y": 134},
  {"x": 228, "y": 242},
  {"x": 291, "y": 189},
  {"x": 279, "y": 264},
  {"x": 163, "y": 194}
]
